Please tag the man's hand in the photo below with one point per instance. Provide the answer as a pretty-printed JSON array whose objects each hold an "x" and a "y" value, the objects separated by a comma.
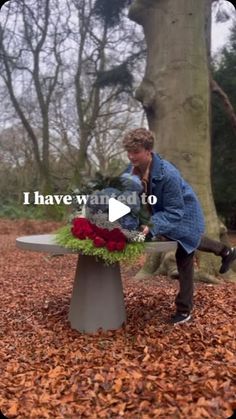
[
  {"x": 145, "y": 229},
  {"x": 148, "y": 234}
]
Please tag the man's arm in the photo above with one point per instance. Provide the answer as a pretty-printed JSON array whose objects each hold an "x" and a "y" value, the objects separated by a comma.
[{"x": 173, "y": 208}]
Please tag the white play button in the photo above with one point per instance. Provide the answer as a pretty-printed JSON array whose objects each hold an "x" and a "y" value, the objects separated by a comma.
[{"x": 117, "y": 209}]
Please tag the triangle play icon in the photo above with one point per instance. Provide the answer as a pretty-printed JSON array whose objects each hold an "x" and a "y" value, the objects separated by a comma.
[{"x": 117, "y": 209}]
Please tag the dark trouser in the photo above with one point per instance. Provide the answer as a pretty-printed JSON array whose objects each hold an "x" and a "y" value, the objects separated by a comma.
[{"x": 184, "y": 299}]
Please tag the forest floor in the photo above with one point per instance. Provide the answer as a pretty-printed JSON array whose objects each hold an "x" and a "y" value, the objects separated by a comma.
[{"x": 147, "y": 369}]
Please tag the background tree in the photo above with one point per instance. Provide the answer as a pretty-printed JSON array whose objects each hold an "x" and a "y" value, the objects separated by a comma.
[
  {"x": 224, "y": 133},
  {"x": 93, "y": 60},
  {"x": 103, "y": 95},
  {"x": 16, "y": 162},
  {"x": 35, "y": 39},
  {"x": 176, "y": 96},
  {"x": 54, "y": 60}
]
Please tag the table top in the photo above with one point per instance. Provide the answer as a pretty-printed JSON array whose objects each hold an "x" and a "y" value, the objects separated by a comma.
[
  {"x": 47, "y": 243},
  {"x": 42, "y": 243}
]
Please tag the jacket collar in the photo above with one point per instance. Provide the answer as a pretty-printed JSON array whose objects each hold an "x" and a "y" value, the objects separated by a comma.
[{"x": 157, "y": 169}]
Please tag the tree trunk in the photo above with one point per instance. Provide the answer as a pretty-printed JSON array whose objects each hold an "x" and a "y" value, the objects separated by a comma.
[
  {"x": 175, "y": 94},
  {"x": 81, "y": 162}
]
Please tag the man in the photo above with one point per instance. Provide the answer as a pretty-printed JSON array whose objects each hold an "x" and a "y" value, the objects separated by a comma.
[{"x": 177, "y": 215}]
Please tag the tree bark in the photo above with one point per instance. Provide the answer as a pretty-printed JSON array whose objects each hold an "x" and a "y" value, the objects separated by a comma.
[
  {"x": 87, "y": 115},
  {"x": 175, "y": 94}
]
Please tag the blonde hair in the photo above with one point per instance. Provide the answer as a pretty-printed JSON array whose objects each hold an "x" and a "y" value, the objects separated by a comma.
[{"x": 137, "y": 138}]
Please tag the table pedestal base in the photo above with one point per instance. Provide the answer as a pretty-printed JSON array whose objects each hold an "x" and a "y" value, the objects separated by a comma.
[{"x": 97, "y": 298}]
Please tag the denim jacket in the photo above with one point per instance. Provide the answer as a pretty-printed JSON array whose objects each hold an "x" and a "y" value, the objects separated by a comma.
[{"x": 177, "y": 214}]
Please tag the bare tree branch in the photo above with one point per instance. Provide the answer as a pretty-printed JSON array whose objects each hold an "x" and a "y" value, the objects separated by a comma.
[{"x": 228, "y": 107}]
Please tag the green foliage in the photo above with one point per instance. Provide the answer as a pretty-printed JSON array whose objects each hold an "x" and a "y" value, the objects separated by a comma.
[
  {"x": 16, "y": 211},
  {"x": 99, "y": 182},
  {"x": 129, "y": 254},
  {"x": 223, "y": 137},
  {"x": 13, "y": 210}
]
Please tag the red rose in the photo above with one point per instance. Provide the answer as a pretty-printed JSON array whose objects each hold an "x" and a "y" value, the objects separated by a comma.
[
  {"x": 81, "y": 228},
  {"x": 80, "y": 235},
  {"x": 97, "y": 230},
  {"x": 84, "y": 229},
  {"x": 111, "y": 246},
  {"x": 87, "y": 230},
  {"x": 116, "y": 235},
  {"x": 99, "y": 242},
  {"x": 91, "y": 235},
  {"x": 120, "y": 245},
  {"x": 81, "y": 222},
  {"x": 105, "y": 233}
]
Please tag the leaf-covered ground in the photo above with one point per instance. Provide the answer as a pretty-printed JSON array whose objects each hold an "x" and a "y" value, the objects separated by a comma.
[{"x": 148, "y": 369}]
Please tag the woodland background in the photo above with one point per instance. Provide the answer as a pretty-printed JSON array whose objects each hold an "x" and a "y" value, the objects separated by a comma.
[{"x": 68, "y": 74}]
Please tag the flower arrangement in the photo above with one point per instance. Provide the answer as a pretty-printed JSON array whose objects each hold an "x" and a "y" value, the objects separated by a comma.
[
  {"x": 94, "y": 235},
  {"x": 102, "y": 237}
]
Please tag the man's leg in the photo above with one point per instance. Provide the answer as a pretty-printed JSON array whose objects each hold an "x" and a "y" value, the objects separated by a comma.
[
  {"x": 212, "y": 246},
  {"x": 184, "y": 298},
  {"x": 228, "y": 254}
]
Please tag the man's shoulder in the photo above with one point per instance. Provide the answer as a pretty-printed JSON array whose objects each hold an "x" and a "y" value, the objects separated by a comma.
[
  {"x": 167, "y": 167},
  {"x": 171, "y": 169},
  {"x": 172, "y": 173}
]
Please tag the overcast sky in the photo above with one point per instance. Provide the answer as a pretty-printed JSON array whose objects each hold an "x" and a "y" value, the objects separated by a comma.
[{"x": 220, "y": 31}]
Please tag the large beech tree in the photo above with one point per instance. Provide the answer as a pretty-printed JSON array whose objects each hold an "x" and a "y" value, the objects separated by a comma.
[{"x": 175, "y": 93}]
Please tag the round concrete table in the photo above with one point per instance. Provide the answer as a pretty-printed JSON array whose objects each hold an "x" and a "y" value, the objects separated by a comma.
[{"x": 97, "y": 299}]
